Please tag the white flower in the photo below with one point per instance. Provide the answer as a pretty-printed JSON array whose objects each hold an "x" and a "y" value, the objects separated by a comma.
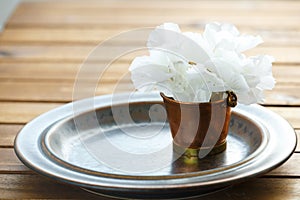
[
  {"x": 177, "y": 78},
  {"x": 227, "y": 36},
  {"x": 258, "y": 74},
  {"x": 148, "y": 72},
  {"x": 192, "y": 66},
  {"x": 168, "y": 38}
]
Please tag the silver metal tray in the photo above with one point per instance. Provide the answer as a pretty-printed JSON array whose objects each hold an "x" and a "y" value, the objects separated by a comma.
[{"x": 120, "y": 145}]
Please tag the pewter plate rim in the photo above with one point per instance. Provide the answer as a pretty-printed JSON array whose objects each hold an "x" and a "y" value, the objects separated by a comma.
[
  {"x": 280, "y": 146},
  {"x": 45, "y": 140}
]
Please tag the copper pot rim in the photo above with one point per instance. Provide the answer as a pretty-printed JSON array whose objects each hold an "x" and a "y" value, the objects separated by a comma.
[{"x": 171, "y": 100}]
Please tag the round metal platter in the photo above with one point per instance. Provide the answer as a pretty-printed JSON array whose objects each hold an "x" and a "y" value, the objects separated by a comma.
[{"x": 121, "y": 146}]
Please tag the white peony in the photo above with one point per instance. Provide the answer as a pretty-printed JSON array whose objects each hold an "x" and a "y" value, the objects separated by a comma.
[{"x": 192, "y": 67}]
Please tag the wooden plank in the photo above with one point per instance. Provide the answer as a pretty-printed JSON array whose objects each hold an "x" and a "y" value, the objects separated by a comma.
[
  {"x": 59, "y": 90},
  {"x": 75, "y": 53},
  {"x": 9, "y": 163},
  {"x": 284, "y": 75},
  {"x": 71, "y": 53},
  {"x": 68, "y": 71},
  {"x": 144, "y": 9},
  {"x": 96, "y": 35},
  {"x": 38, "y": 187},
  {"x": 37, "y": 35},
  {"x": 13, "y": 112},
  {"x": 283, "y": 94},
  {"x": 238, "y": 16},
  {"x": 259, "y": 189},
  {"x": 63, "y": 71},
  {"x": 8, "y": 133},
  {"x": 277, "y": 53},
  {"x": 289, "y": 168},
  {"x": 135, "y": 21},
  {"x": 292, "y": 115},
  {"x": 94, "y": 6},
  {"x": 45, "y": 53},
  {"x": 36, "y": 91}
]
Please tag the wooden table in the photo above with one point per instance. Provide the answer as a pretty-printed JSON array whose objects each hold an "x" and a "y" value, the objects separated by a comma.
[{"x": 45, "y": 42}]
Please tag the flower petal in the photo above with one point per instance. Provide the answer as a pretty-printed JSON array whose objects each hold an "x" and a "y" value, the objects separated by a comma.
[{"x": 246, "y": 42}]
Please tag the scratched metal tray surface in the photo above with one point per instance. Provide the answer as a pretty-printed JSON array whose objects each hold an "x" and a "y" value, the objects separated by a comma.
[{"x": 121, "y": 146}]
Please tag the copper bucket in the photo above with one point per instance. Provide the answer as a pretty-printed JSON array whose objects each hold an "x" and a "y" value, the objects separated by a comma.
[{"x": 199, "y": 129}]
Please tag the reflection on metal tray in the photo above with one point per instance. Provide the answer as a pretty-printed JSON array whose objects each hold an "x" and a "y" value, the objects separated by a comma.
[
  {"x": 124, "y": 148},
  {"x": 148, "y": 139}
]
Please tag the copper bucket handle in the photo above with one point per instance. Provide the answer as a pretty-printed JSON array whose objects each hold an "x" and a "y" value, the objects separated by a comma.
[{"x": 231, "y": 99}]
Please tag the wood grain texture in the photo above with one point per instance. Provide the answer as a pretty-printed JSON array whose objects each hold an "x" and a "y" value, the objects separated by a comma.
[
  {"x": 32, "y": 186},
  {"x": 85, "y": 36},
  {"x": 43, "y": 188},
  {"x": 45, "y": 43},
  {"x": 62, "y": 90},
  {"x": 292, "y": 115},
  {"x": 55, "y": 81},
  {"x": 287, "y": 74},
  {"x": 8, "y": 133},
  {"x": 283, "y": 7},
  {"x": 283, "y": 94},
  {"x": 63, "y": 71},
  {"x": 58, "y": 91},
  {"x": 14, "y": 112},
  {"x": 189, "y": 6},
  {"x": 261, "y": 189},
  {"x": 72, "y": 53},
  {"x": 148, "y": 14},
  {"x": 9, "y": 162},
  {"x": 77, "y": 53},
  {"x": 288, "y": 168}
]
